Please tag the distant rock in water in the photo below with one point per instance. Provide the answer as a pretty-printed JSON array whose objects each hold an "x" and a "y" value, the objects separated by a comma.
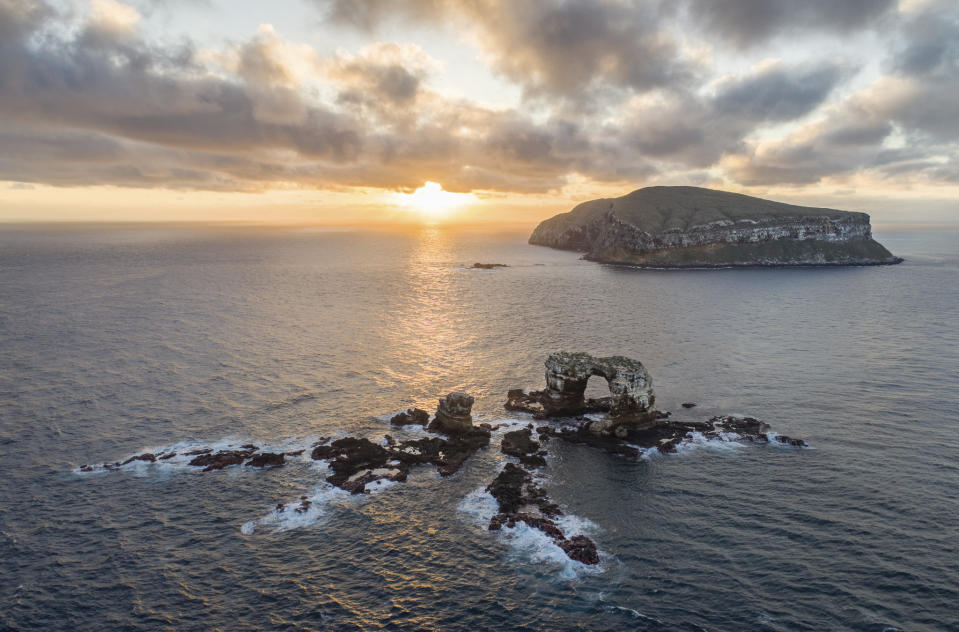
[
  {"x": 488, "y": 266},
  {"x": 692, "y": 227}
]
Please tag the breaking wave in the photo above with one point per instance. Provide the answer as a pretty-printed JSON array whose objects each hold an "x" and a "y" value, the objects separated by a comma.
[{"x": 529, "y": 544}]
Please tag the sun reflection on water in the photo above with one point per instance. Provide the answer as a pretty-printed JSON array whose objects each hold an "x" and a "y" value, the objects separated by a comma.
[{"x": 430, "y": 325}]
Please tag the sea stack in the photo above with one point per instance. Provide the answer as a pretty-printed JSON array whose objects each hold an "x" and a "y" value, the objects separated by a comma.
[
  {"x": 453, "y": 413},
  {"x": 693, "y": 227}
]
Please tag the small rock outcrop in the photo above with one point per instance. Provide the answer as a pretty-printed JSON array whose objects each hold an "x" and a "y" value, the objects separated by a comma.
[
  {"x": 217, "y": 461},
  {"x": 520, "y": 499},
  {"x": 357, "y": 462},
  {"x": 630, "y": 389},
  {"x": 693, "y": 227},
  {"x": 488, "y": 266},
  {"x": 520, "y": 443},
  {"x": 453, "y": 414},
  {"x": 412, "y": 416},
  {"x": 267, "y": 459}
]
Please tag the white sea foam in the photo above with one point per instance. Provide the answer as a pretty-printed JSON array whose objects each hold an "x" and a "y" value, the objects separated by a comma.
[
  {"x": 775, "y": 442},
  {"x": 181, "y": 461},
  {"x": 321, "y": 501},
  {"x": 294, "y": 515},
  {"x": 528, "y": 543},
  {"x": 412, "y": 430},
  {"x": 508, "y": 423},
  {"x": 635, "y": 614}
]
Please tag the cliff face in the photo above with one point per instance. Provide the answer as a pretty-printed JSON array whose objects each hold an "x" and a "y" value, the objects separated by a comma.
[{"x": 695, "y": 227}]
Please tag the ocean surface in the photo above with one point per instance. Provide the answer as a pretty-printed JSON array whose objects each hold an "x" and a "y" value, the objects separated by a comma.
[{"x": 123, "y": 339}]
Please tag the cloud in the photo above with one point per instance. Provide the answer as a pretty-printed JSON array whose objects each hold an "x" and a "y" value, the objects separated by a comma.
[
  {"x": 696, "y": 130},
  {"x": 747, "y": 23},
  {"x": 381, "y": 72},
  {"x": 916, "y": 102},
  {"x": 561, "y": 48},
  {"x": 777, "y": 92},
  {"x": 82, "y": 110},
  {"x": 613, "y": 94}
]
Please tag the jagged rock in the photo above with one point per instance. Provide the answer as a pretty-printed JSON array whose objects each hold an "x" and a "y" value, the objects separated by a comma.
[
  {"x": 567, "y": 374},
  {"x": 630, "y": 386},
  {"x": 416, "y": 416},
  {"x": 682, "y": 227},
  {"x": 521, "y": 400},
  {"x": 740, "y": 425},
  {"x": 581, "y": 549},
  {"x": 796, "y": 443},
  {"x": 267, "y": 459},
  {"x": 513, "y": 488},
  {"x": 520, "y": 499},
  {"x": 664, "y": 436},
  {"x": 141, "y": 457},
  {"x": 519, "y": 443},
  {"x": 453, "y": 414},
  {"x": 448, "y": 455},
  {"x": 357, "y": 462},
  {"x": 221, "y": 459}
]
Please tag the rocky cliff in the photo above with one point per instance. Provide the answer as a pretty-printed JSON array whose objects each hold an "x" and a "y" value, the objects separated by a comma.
[{"x": 677, "y": 227}]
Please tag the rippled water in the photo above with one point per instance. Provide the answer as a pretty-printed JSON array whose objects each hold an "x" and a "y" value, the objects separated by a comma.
[{"x": 115, "y": 340}]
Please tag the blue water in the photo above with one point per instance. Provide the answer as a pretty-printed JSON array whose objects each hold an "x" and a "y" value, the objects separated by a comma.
[{"x": 120, "y": 339}]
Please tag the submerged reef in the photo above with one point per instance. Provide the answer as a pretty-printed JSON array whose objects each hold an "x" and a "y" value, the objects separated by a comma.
[{"x": 623, "y": 424}]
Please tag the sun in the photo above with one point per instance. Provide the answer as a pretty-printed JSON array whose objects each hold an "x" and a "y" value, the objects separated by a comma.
[{"x": 431, "y": 201}]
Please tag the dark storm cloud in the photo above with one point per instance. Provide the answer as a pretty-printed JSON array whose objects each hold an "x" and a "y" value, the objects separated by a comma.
[{"x": 745, "y": 23}]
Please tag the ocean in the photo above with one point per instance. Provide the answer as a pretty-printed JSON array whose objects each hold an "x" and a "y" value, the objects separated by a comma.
[{"x": 116, "y": 340}]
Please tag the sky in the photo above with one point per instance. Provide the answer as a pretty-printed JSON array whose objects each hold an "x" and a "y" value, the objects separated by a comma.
[{"x": 472, "y": 111}]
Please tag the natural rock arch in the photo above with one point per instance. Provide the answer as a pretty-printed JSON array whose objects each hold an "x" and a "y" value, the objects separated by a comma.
[{"x": 630, "y": 386}]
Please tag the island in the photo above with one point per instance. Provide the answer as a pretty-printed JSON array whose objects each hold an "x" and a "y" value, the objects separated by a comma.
[{"x": 694, "y": 227}]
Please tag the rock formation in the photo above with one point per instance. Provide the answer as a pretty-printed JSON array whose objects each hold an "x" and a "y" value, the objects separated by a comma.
[
  {"x": 520, "y": 443},
  {"x": 681, "y": 227},
  {"x": 488, "y": 266},
  {"x": 520, "y": 499},
  {"x": 630, "y": 388},
  {"x": 453, "y": 414},
  {"x": 356, "y": 462},
  {"x": 412, "y": 416},
  {"x": 665, "y": 436}
]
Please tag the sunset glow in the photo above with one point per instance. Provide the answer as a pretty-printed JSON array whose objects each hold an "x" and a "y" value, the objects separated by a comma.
[{"x": 431, "y": 201}]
